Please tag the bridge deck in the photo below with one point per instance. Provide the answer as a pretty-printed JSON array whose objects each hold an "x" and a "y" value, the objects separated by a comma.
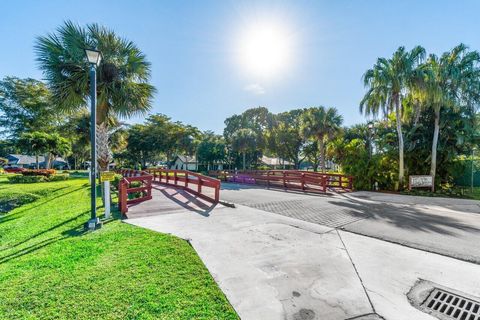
[{"x": 167, "y": 200}]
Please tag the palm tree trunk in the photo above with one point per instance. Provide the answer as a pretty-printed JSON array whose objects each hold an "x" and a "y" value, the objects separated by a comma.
[
  {"x": 101, "y": 112},
  {"x": 36, "y": 161},
  {"x": 433, "y": 168},
  {"x": 321, "y": 145},
  {"x": 243, "y": 154},
  {"x": 401, "y": 170}
]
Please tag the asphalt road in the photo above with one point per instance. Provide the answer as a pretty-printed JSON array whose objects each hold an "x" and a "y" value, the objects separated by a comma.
[{"x": 449, "y": 227}]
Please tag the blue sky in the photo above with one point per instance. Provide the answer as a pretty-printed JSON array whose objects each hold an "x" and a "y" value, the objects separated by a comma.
[{"x": 193, "y": 47}]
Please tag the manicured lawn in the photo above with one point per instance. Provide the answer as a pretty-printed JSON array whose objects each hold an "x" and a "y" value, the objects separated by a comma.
[{"x": 51, "y": 269}]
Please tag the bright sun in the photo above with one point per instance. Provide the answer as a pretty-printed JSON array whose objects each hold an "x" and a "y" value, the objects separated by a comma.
[{"x": 265, "y": 49}]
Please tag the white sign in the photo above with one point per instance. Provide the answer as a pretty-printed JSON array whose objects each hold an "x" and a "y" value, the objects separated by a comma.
[{"x": 421, "y": 182}]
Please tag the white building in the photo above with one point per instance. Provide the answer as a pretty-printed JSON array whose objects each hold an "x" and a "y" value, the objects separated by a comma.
[
  {"x": 276, "y": 163},
  {"x": 184, "y": 163}
]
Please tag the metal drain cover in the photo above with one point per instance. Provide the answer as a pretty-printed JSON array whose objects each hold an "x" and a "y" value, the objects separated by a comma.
[
  {"x": 444, "y": 303},
  {"x": 453, "y": 305}
]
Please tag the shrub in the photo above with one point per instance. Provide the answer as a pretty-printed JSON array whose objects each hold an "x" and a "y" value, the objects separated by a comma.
[
  {"x": 116, "y": 181},
  {"x": 18, "y": 178},
  {"x": 12, "y": 200},
  {"x": 59, "y": 177},
  {"x": 39, "y": 172}
]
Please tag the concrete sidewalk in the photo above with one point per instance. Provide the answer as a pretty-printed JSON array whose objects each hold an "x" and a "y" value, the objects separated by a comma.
[{"x": 269, "y": 266}]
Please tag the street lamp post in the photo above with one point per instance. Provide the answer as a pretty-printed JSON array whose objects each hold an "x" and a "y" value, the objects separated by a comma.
[{"x": 94, "y": 57}]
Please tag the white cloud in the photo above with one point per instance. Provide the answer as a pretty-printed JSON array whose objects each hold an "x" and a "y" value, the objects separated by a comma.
[{"x": 254, "y": 88}]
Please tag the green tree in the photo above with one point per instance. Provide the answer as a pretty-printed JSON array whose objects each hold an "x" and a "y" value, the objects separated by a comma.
[
  {"x": 243, "y": 141},
  {"x": 284, "y": 137},
  {"x": 26, "y": 106},
  {"x": 322, "y": 124},
  {"x": 122, "y": 76},
  {"x": 211, "y": 149},
  {"x": 34, "y": 143},
  {"x": 56, "y": 146},
  {"x": 387, "y": 83},
  {"x": 141, "y": 145}
]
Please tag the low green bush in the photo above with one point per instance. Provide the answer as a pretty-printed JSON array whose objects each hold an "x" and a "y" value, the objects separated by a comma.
[
  {"x": 18, "y": 178},
  {"x": 12, "y": 200},
  {"x": 39, "y": 172},
  {"x": 135, "y": 195},
  {"x": 116, "y": 181},
  {"x": 59, "y": 177}
]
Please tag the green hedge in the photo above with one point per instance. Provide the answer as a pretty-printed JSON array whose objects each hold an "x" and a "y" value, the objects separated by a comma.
[
  {"x": 26, "y": 179},
  {"x": 59, "y": 177},
  {"x": 34, "y": 179}
]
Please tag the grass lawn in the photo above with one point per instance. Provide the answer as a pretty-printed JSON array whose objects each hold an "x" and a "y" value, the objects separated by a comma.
[{"x": 51, "y": 269}]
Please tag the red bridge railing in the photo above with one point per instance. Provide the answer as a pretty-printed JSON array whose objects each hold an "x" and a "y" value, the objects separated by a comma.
[
  {"x": 128, "y": 194},
  {"x": 289, "y": 179},
  {"x": 192, "y": 182}
]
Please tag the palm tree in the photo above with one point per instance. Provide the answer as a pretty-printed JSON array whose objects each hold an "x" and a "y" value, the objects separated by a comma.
[
  {"x": 244, "y": 140},
  {"x": 388, "y": 83},
  {"x": 449, "y": 81},
  {"x": 122, "y": 76},
  {"x": 321, "y": 123}
]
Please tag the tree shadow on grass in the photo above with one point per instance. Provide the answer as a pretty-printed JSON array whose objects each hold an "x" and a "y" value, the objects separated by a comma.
[
  {"x": 38, "y": 203},
  {"x": 76, "y": 231},
  {"x": 45, "y": 231}
]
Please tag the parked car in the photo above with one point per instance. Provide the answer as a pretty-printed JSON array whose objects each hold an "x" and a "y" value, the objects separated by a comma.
[{"x": 9, "y": 169}]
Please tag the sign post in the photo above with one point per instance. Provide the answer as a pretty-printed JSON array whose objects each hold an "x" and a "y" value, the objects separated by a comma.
[
  {"x": 106, "y": 177},
  {"x": 421, "y": 182}
]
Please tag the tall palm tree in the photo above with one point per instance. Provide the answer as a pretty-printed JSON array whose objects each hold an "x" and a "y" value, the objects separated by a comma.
[
  {"x": 388, "y": 83},
  {"x": 122, "y": 76},
  {"x": 449, "y": 81},
  {"x": 321, "y": 123}
]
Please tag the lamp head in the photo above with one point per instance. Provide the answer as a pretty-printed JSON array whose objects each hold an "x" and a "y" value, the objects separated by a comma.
[{"x": 93, "y": 56}]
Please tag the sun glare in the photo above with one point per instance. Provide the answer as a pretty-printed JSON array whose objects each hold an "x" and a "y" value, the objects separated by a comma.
[{"x": 265, "y": 49}]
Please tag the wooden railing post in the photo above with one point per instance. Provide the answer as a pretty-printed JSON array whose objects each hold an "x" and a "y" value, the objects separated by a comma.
[
  {"x": 340, "y": 182},
  {"x": 284, "y": 183},
  {"x": 149, "y": 186},
  {"x": 217, "y": 193},
  {"x": 302, "y": 181},
  {"x": 175, "y": 178},
  {"x": 199, "y": 186}
]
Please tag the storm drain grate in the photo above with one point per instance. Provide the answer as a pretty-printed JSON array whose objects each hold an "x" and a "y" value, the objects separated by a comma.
[{"x": 452, "y": 305}]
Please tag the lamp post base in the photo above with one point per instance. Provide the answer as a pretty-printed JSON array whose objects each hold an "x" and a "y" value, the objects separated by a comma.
[{"x": 93, "y": 224}]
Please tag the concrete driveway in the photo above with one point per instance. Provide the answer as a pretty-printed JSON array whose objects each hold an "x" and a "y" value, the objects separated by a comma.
[{"x": 450, "y": 227}]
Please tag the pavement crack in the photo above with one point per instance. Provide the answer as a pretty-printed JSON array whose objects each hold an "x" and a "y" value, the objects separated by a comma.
[{"x": 356, "y": 271}]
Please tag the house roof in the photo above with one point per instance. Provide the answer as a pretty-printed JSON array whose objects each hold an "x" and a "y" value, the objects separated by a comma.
[
  {"x": 186, "y": 159},
  {"x": 275, "y": 161},
  {"x": 22, "y": 159}
]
